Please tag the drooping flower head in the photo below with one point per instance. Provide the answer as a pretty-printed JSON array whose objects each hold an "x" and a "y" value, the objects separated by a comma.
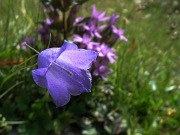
[{"x": 63, "y": 71}]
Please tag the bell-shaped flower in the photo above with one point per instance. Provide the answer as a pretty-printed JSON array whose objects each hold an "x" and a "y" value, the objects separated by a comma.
[{"x": 63, "y": 71}]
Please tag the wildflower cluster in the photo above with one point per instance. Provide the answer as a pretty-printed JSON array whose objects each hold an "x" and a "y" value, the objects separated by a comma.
[
  {"x": 89, "y": 32},
  {"x": 90, "y": 35}
]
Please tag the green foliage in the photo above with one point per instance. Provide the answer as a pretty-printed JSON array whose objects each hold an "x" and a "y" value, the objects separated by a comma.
[{"x": 141, "y": 97}]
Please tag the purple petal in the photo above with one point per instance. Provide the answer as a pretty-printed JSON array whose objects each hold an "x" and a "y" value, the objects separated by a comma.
[
  {"x": 77, "y": 38},
  {"x": 57, "y": 85},
  {"x": 123, "y": 38},
  {"x": 86, "y": 27},
  {"x": 112, "y": 56},
  {"x": 47, "y": 56},
  {"x": 103, "y": 76},
  {"x": 114, "y": 18},
  {"x": 101, "y": 69},
  {"x": 96, "y": 72},
  {"x": 93, "y": 46},
  {"x": 65, "y": 80},
  {"x": 79, "y": 19},
  {"x": 81, "y": 76},
  {"x": 114, "y": 29},
  {"x": 80, "y": 58},
  {"x": 39, "y": 77},
  {"x": 68, "y": 46},
  {"x": 48, "y": 21},
  {"x": 94, "y": 11},
  {"x": 120, "y": 31},
  {"x": 97, "y": 35},
  {"x": 101, "y": 15},
  {"x": 86, "y": 39}
]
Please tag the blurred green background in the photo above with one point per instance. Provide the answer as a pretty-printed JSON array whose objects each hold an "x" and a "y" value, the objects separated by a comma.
[{"x": 141, "y": 96}]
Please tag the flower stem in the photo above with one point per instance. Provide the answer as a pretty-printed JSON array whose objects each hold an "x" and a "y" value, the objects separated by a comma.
[{"x": 32, "y": 48}]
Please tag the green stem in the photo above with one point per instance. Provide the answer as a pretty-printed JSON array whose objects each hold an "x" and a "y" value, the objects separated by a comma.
[
  {"x": 11, "y": 88},
  {"x": 32, "y": 48}
]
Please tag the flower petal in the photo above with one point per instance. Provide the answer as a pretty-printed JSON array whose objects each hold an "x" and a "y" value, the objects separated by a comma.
[
  {"x": 80, "y": 76},
  {"x": 39, "y": 77},
  {"x": 57, "y": 86},
  {"x": 86, "y": 27},
  {"x": 80, "y": 58},
  {"x": 97, "y": 35},
  {"x": 62, "y": 82},
  {"x": 94, "y": 11},
  {"x": 123, "y": 38},
  {"x": 68, "y": 46},
  {"x": 47, "y": 56},
  {"x": 77, "y": 38},
  {"x": 51, "y": 54}
]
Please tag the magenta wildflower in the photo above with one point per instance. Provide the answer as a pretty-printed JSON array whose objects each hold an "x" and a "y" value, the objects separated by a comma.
[
  {"x": 63, "y": 71},
  {"x": 79, "y": 19},
  {"x": 119, "y": 33},
  {"x": 48, "y": 21},
  {"x": 93, "y": 46},
  {"x": 84, "y": 40},
  {"x": 101, "y": 69},
  {"x": 98, "y": 16},
  {"x": 114, "y": 18},
  {"x": 94, "y": 30},
  {"x": 106, "y": 52}
]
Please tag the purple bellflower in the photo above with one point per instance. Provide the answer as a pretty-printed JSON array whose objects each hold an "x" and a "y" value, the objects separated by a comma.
[{"x": 63, "y": 71}]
